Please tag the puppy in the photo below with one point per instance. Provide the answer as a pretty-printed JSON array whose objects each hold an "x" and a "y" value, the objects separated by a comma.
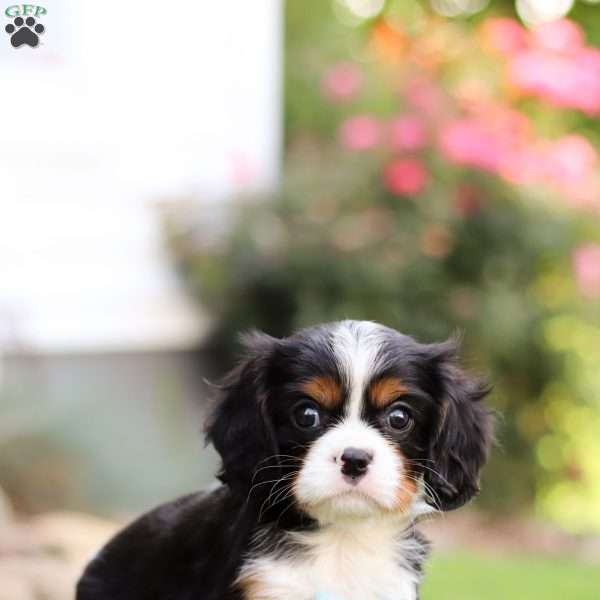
[{"x": 334, "y": 441}]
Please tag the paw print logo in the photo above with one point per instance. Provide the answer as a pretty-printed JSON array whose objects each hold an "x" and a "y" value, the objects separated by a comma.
[{"x": 24, "y": 32}]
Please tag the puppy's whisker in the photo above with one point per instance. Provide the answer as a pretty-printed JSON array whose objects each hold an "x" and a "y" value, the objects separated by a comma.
[
  {"x": 259, "y": 484},
  {"x": 257, "y": 471},
  {"x": 430, "y": 492},
  {"x": 429, "y": 469},
  {"x": 278, "y": 456},
  {"x": 282, "y": 478},
  {"x": 283, "y": 512},
  {"x": 285, "y": 493},
  {"x": 267, "y": 504},
  {"x": 273, "y": 481},
  {"x": 301, "y": 447},
  {"x": 273, "y": 491}
]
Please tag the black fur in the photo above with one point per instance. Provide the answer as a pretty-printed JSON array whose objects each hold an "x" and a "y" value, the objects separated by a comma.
[
  {"x": 463, "y": 439},
  {"x": 241, "y": 430},
  {"x": 193, "y": 548}
]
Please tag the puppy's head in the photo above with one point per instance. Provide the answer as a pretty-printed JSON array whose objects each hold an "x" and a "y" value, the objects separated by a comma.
[{"x": 350, "y": 420}]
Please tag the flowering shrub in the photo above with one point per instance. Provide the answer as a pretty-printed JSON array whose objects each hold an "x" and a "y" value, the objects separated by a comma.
[
  {"x": 482, "y": 128},
  {"x": 446, "y": 180},
  {"x": 452, "y": 122}
]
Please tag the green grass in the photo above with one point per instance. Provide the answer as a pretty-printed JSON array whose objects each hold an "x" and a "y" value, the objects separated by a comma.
[{"x": 463, "y": 576}]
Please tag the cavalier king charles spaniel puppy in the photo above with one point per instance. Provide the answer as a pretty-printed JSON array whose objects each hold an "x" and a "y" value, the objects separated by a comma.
[{"x": 334, "y": 442}]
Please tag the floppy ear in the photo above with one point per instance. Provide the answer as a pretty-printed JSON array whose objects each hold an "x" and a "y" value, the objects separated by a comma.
[
  {"x": 240, "y": 428},
  {"x": 462, "y": 442}
]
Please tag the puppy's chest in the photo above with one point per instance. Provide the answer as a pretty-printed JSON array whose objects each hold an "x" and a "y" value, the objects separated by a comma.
[{"x": 332, "y": 565}]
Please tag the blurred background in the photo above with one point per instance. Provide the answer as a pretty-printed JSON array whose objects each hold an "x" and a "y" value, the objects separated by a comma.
[{"x": 171, "y": 177}]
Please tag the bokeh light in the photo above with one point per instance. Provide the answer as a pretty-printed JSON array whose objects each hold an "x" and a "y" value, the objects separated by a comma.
[
  {"x": 365, "y": 9},
  {"x": 533, "y": 12},
  {"x": 457, "y": 8}
]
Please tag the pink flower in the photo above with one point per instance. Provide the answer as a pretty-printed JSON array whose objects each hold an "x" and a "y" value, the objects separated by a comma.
[
  {"x": 572, "y": 81},
  {"x": 341, "y": 82},
  {"x": 360, "y": 132},
  {"x": 558, "y": 68},
  {"x": 506, "y": 147},
  {"x": 407, "y": 132},
  {"x": 423, "y": 95},
  {"x": 571, "y": 161},
  {"x": 468, "y": 142},
  {"x": 586, "y": 267},
  {"x": 504, "y": 35},
  {"x": 524, "y": 164},
  {"x": 561, "y": 35},
  {"x": 504, "y": 123},
  {"x": 405, "y": 176}
]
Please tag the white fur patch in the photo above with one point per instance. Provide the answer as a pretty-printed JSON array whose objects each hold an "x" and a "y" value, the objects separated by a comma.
[
  {"x": 364, "y": 560},
  {"x": 356, "y": 345}
]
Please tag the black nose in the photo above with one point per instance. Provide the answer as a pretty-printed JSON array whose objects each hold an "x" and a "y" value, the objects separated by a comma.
[{"x": 355, "y": 462}]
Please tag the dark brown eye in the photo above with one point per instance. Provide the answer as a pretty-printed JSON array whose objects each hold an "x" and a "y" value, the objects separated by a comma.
[
  {"x": 399, "y": 419},
  {"x": 307, "y": 416}
]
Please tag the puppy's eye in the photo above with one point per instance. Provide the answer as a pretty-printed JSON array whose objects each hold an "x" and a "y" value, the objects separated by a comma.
[
  {"x": 307, "y": 416},
  {"x": 399, "y": 419}
]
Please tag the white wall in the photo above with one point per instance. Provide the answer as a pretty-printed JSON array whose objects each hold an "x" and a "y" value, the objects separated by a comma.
[{"x": 123, "y": 104}]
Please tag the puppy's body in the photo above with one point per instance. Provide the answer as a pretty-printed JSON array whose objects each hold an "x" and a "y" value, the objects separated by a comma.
[
  {"x": 334, "y": 441},
  {"x": 181, "y": 550},
  {"x": 193, "y": 549}
]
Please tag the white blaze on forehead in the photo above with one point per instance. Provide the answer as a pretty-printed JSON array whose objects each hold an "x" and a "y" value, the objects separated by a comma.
[{"x": 357, "y": 346}]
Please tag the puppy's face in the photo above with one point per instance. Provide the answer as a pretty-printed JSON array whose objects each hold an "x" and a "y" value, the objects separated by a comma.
[{"x": 350, "y": 420}]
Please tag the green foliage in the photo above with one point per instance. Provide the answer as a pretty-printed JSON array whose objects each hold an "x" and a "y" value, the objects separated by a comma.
[
  {"x": 467, "y": 252},
  {"x": 464, "y": 576},
  {"x": 334, "y": 244}
]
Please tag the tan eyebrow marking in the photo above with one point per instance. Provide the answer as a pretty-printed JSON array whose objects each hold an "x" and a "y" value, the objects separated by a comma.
[
  {"x": 324, "y": 390},
  {"x": 384, "y": 391}
]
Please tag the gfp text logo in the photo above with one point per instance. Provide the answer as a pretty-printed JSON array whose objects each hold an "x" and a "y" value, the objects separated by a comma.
[{"x": 24, "y": 29}]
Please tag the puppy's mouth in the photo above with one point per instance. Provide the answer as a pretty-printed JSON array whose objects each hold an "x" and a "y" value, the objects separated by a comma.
[
  {"x": 357, "y": 494},
  {"x": 349, "y": 499},
  {"x": 351, "y": 503},
  {"x": 352, "y": 481}
]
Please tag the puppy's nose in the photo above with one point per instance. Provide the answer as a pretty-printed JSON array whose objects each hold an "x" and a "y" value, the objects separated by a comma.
[{"x": 355, "y": 462}]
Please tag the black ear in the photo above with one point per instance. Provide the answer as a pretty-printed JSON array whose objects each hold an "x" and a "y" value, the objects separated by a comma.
[
  {"x": 240, "y": 428},
  {"x": 464, "y": 436}
]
